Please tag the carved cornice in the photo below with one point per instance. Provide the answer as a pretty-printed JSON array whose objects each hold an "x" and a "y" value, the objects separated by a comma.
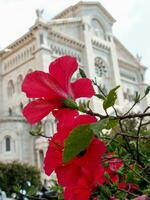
[
  {"x": 65, "y": 21},
  {"x": 123, "y": 48},
  {"x": 100, "y": 44},
  {"x": 65, "y": 39},
  {"x": 128, "y": 64},
  {"x": 11, "y": 119},
  {"x": 18, "y": 44},
  {"x": 18, "y": 66}
]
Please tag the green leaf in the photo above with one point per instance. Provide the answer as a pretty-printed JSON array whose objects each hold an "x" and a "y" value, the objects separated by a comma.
[
  {"x": 110, "y": 99},
  {"x": 70, "y": 103},
  {"x": 100, "y": 96},
  {"x": 108, "y": 123},
  {"x": 107, "y": 175},
  {"x": 105, "y": 191},
  {"x": 147, "y": 90},
  {"x": 77, "y": 141},
  {"x": 130, "y": 177},
  {"x": 137, "y": 97},
  {"x": 99, "y": 126},
  {"x": 112, "y": 123},
  {"x": 82, "y": 73}
]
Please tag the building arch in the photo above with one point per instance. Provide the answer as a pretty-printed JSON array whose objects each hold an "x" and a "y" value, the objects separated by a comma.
[
  {"x": 41, "y": 157},
  {"x": 10, "y": 88},
  {"x": 8, "y": 146},
  {"x": 98, "y": 29}
]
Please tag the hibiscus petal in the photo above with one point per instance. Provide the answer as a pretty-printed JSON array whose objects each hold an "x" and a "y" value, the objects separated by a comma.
[
  {"x": 65, "y": 117},
  {"x": 91, "y": 161},
  {"x": 77, "y": 193},
  {"x": 83, "y": 119},
  {"x": 40, "y": 84},
  {"x": 81, "y": 191},
  {"x": 82, "y": 88},
  {"x": 68, "y": 175},
  {"x": 38, "y": 109},
  {"x": 53, "y": 156},
  {"x": 99, "y": 175},
  {"x": 115, "y": 164},
  {"x": 114, "y": 178},
  {"x": 62, "y": 70},
  {"x": 52, "y": 159},
  {"x": 65, "y": 114}
]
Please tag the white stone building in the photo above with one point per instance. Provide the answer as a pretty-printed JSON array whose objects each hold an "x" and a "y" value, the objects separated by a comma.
[{"x": 84, "y": 31}]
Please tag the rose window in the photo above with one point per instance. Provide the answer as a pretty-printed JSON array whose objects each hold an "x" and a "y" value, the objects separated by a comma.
[{"x": 100, "y": 67}]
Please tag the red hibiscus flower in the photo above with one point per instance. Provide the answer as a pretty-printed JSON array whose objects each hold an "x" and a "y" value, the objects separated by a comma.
[
  {"x": 53, "y": 87},
  {"x": 114, "y": 165},
  {"x": 130, "y": 187},
  {"x": 88, "y": 163},
  {"x": 65, "y": 118},
  {"x": 56, "y": 144},
  {"x": 82, "y": 191}
]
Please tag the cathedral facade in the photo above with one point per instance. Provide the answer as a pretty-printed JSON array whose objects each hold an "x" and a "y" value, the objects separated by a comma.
[{"x": 83, "y": 31}]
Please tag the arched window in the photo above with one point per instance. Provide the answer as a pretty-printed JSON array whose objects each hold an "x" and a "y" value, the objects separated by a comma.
[
  {"x": 31, "y": 50},
  {"x": 10, "y": 111},
  {"x": 28, "y": 52},
  {"x": 21, "y": 105},
  {"x": 18, "y": 58},
  {"x": 100, "y": 67},
  {"x": 19, "y": 82},
  {"x": 98, "y": 29},
  {"x": 5, "y": 66},
  {"x": 22, "y": 56},
  {"x": 8, "y": 143},
  {"x": 10, "y": 88},
  {"x": 25, "y": 54},
  {"x": 41, "y": 155},
  {"x": 41, "y": 36}
]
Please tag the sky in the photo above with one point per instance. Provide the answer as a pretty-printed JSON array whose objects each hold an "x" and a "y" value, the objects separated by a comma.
[{"x": 132, "y": 27}]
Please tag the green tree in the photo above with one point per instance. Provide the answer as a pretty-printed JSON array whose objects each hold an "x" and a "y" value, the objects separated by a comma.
[{"x": 16, "y": 176}]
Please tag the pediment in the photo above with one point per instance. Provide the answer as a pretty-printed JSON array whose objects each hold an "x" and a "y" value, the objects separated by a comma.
[
  {"x": 85, "y": 8},
  {"x": 124, "y": 55}
]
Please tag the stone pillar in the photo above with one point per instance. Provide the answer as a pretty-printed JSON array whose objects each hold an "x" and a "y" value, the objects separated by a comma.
[
  {"x": 88, "y": 51},
  {"x": 43, "y": 52},
  {"x": 1, "y": 89},
  {"x": 1, "y": 99},
  {"x": 88, "y": 56},
  {"x": 116, "y": 78}
]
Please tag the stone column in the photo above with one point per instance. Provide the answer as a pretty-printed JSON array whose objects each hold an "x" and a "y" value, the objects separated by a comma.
[
  {"x": 1, "y": 99},
  {"x": 1, "y": 89},
  {"x": 116, "y": 78},
  {"x": 88, "y": 56},
  {"x": 88, "y": 51},
  {"x": 43, "y": 51}
]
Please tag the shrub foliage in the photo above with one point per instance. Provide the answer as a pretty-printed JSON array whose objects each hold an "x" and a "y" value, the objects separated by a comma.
[{"x": 15, "y": 176}]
